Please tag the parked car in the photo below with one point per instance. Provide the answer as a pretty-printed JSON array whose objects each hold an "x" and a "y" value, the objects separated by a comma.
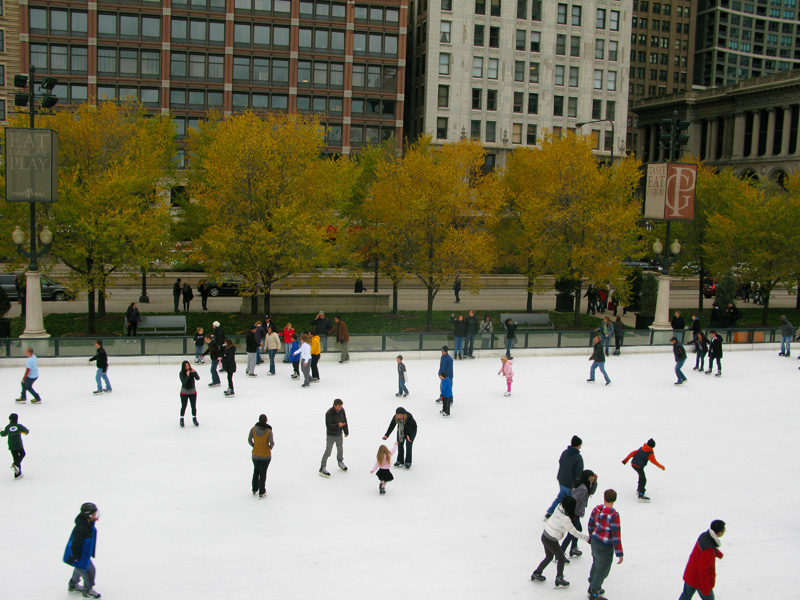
[
  {"x": 709, "y": 287},
  {"x": 644, "y": 265},
  {"x": 227, "y": 287},
  {"x": 51, "y": 290}
]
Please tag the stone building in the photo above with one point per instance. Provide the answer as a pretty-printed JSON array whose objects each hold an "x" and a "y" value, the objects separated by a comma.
[{"x": 9, "y": 54}]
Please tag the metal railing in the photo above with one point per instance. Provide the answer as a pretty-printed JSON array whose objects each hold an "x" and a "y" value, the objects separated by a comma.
[{"x": 379, "y": 342}]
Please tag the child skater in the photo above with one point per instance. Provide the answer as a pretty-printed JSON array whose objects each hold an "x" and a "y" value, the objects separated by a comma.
[
  {"x": 199, "y": 342},
  {"x": 640, "y": 457},
  {"x": 382, "y": 465},
  {"x": 287, "y": 333},
  {"x": 507, "y": 372},
  {"x": 402, "y": 377},
  {"x": 446, "y": 391},
  {"x": 14, "y": 431},
  {"x": 294, "y": 355}
]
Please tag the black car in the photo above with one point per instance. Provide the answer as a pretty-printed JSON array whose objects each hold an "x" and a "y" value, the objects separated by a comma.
[
  {"x": 51, "y": 290},
  {"x": 227, "y": 287}
]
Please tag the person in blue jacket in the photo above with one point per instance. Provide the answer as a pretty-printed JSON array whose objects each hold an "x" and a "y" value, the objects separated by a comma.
[
  {"x": 80, "y": 551},
  {"x": 446, "y": 367},
  {"x": 446, "y": 389}
]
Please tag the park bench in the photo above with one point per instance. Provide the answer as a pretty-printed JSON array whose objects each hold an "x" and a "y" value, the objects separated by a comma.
[
  {"x": 160, "y": 325},
  {"x": 528, "y": 320}
]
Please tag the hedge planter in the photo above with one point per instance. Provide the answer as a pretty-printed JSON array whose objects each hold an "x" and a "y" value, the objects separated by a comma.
[
  {"x": 565, "y": 303},
  {"x": 644, "y": 321}
]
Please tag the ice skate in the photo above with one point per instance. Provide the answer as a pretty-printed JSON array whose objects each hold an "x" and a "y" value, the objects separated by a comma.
[
  {"x": 23, "y": 400},
  {"x": 342, "y": 466},
  {"x": 575, "y": 552},
  {"x": 74, "y": 587},
  {"x": 90, "y": 593},
  {"x": 643, "y": 498},
  {"x": 181, "y": 422},
  {"x": 323, "y": 472},
  {"x": 194, "y": 420},
  {"x": 536, "y": 576},
  {"x": 561, "y": 582},
  {"x": 507, "y": 394}
]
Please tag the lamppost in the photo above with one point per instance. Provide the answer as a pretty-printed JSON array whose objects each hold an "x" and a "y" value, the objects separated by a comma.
[
  {"x": 666, "y": 260},
  {"x": 34, "y": 322},
  {"x": 613, "y": 138}
]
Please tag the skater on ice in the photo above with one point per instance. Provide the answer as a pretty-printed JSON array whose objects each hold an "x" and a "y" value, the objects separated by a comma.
[
  {"x": 585, "y": 487},
  {"x": 383, "y": 466},
  {"x": 406, "y": 432},
  {"x": 507, "y": 371},
  {"x": 213, "y": 352},
  {"x": 29, "y": 378},
  {"x": 715, "y": 353},
  {"x": 639, "y": 459},
  {"x": 446, "y": 393},
  {"x": 101, "y": 375},
  {"x": 679, "y": 353},
  {"x": 335, "y": 428},
  {"x": 188, "y": 377},
  {"x": 262, "y": 443},
  {"x": 229, "y": 364},
  {"x": 570, "y": 467},
  {"x": 402, "y": 377},
  {"x": 14, "y": 431},
  {"x": 559, "y": 524},
  {"x": 700, "y": 573},
  {"x": 598, "y": 359},
  {"x": 80, "y": 551},
  {"x": 604, "y": 529}
]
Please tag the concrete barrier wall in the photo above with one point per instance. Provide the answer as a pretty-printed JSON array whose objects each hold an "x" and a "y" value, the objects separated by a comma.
[{"x": 331, "y": 302}]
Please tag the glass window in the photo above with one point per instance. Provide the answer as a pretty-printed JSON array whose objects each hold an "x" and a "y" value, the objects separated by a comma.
[
  {"x": 304, "y": 73},
  {"x": 129, "y": 27},
  {"x": 533, "y": 72},
  {"x": 559, "y": 75},
  {"x": 599, "y": 49},
  {"x": 558, "y": 106},
  {"x": 321, "y": 74},
  {"x": 280, "y": 36},
  {"x": 572, "y": 107},
  {"x": 128, "y": 62},
  {"x": 337, "y": 42},
  {"x": 536, "y": 38},
  {"x": 478, "y": 35},
  {"x": 491, "y": 100},
  {"x": 531, "y": 135},
  {"x": 495, "y": 8},
  {"x": 574, "y": 76},
  {"x": 477, "y": 66},
  {"x": 576, "y": 15},
  {"x": 390, "y": 45},
  {"x": 80, "y": 22},
  {"x": 260, "y": 70},
  {"x": 321, "y": 40},
  {"x": 107, "y": 60},
  {"x": 518, "y": 100},
  {"x": 197, "y": 31},
  {"x": 494, "y": 37},
  {"x": 360, "y": 43},
  {"x": 600, "y": 21},
  {"x": 519, "y": 70},
  {"x": 574, "y": 45},
  {"x": 477, "y": 98},
  {"x": 79, "y": 59},
  {"x": 216, "y": 32},
  {"x": 336, "y": 78},
  {"x": 151, "y": 27},
  {"x": 78, "y": 93},
  {"x": 561, "y": 14},
  {"x": 37, "y": 18},
  {"x": 475, "y": 130},
  {"x": 261, "y": 35},
  {"x": 373, "y": 77},
  {"x": 177, "y": 64},
  {"x": 375, "y": 44},
  {"x": 612, "y": 49},
  {"x": 280, "y": 71},
  {"x": 444, "y": 63},
  {"x": 443, "y": 99},
  {"x": 516, "y": 133},
  {"x": 107, "y": 25},
  {"x": 58, "y": 22},
  {"x": 614, "y": 20},
  {"x": 441, "y": 128},
  {"x": 598, "y": 79},
  {"x": 561, "y": 44},
  {"x": 612, "y": 80},
  {"x": 359, "y": 76},
  {"x": 444, "y": 32},
  {"x": 178, "y": 29},
  {"x": 241, "y": 34},
  {"x": 216, "y": 68},
  {"x": 491, "y": 131},
  {"x": 533, "y": 104},
  {"x": 493, "y": 68}
]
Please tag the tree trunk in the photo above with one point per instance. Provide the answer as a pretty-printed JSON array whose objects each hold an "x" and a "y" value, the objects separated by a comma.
[
  {"x": 429, "y": 318},
  {"x": 90, "y": 300},
  {"x": 577, "y": 313},
  {"x": 797, "y": 302},
  {"x": 267, "y": 307},
  {"x": 395, "y": 308},
  {"x": 254, "y": 304},
  {"x": 700, "y": 296},
  {"x": 375, "y": 279},
  {"x": 529, "y": 303},
  {"x": 101, "y": 303},
  {"x": 765, "y": 312}
]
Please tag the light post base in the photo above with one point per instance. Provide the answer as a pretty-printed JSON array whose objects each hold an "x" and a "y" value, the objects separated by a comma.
[
  {"x": 34, "y": 319},
  {"x": 662, "y": 320}
]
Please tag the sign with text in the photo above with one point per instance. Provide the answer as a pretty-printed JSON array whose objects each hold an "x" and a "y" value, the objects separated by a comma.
[
  {"x": 31, "y": 165},
  {"x": 670, "y": 191}
]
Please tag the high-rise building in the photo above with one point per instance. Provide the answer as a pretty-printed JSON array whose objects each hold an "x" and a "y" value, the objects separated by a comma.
[
  {"x": 502, "y": 72},
  {"x": 341, "y": 60},
  {"x": 739, "y": 39},
  {"x": 9, "y": 54}
]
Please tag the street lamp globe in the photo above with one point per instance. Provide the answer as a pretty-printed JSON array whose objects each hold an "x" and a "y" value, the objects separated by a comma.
[
  {"x": 18, "y": 236},
  {"x": 675, "y": 248},
  {"x": 46, "y": 236},
  {"x": 658, "y": 247}
]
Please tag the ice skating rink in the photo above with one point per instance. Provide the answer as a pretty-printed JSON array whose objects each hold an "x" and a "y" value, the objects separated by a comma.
[{"x": 178, "y": 520}]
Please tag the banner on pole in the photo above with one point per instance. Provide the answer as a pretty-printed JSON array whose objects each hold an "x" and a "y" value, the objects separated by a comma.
[
  {"x": 31, "y": 165},
  {"x": 670, "y": 191}
]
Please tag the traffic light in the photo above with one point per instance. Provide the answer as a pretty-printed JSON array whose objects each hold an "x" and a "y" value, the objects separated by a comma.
[
  {"x": 681, "y": 138},
  {"x": 665, "y": 137}
]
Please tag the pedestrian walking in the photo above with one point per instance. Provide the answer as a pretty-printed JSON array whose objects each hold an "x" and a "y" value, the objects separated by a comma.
[
  {"x": 383, "y": 467},
  {"x": 701, "y": 348},
  {"x": 101, "y": 375},
  {"x": 199, "y": 342},
  {"x": 570, "y": 467},
  {"x": 262, "y": 442},
  {"x": 335, "y": 428},
  {"x": 187, "y": 294},
  {"x": 559, "y": 524},
  {"x": 287, "y": 333},
  {"x": 81, "y": 549},
  {"x": 29, "y": 378},
  {"x": 202, "y": 289},
  {"x": 402, "y": 377},
  {"x": 215, "y": 356},
  {"x": 251, "y": 348},
  {"x": 457, "y": 288},
  {"x": 406, "y": 427},
  {"x": 132, "y": 318},
  {"x": 342, "y": 338},
  {"x": 188, "y": 377},
  {"x": 639, "y": 459},
  {"x": 459, "y": 335},
  {"x": 788, "y": 332},
  {"x": 581, "y": 490},
  {"x": 305, "y": 359},
  {"x": 506, "y": 371},
  {"x": 591, "y": 299},
  {"x": 486, "y": 329},
  {"x": 619, "y": 334},
  {"x": 604, "y": 530},
  {"x": 700, "y": 574},
  {"x": 715, "y": 352},
  {"x": 445, "y": 393},
  {"x": 272, "y": 342},
  {"x": 321, "y": 325},
  {"x": 678, "y": 326},
  {"x": 229, "y": 364},
  {"x": 680, "y": 358},
  {"x": 598, "y": 359},
  {"x": 14, "y": 432},
  {"x": 473, "y": 324},
  {"x": 733, "y": 313},
  {"x": 294, "y": 348},
  {"x": 511, "y": 336},
  {"x": 316, "y": 354},
  {"x": 177, "y": 291}
]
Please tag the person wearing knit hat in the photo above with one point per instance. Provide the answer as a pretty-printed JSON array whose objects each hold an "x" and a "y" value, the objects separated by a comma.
[
  {"x": 639, "y": 459},
  {"x": 219, "y": 334},
  {"x": 570, "y": 467},
  {"x": 700, "y": 573},
  {"x": 14, "y": 432}
]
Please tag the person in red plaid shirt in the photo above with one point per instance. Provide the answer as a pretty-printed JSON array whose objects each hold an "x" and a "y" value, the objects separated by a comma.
[{"x": 604, "y": 530}]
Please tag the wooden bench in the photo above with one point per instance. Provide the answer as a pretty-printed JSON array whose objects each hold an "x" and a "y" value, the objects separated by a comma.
[
  {"x": 159, "y": 325},
  {"x": 528, "y": 320}
]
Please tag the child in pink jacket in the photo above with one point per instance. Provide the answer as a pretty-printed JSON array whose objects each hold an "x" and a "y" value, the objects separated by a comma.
[{"x": 507, "y": 372}]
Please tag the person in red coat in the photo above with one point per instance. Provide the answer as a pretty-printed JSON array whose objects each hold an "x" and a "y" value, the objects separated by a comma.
[{"x": 700, "y": 574}]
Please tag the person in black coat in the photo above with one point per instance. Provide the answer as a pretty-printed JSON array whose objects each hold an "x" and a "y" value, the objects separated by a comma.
[
  {"x": 459, "y": 334},
  {"x": 715, "y": 352},
  {"x": 473, "y": 323},
  {"x": 335, "y": 428},
  {"x": 80, "y": 551},
  {"x": 229, "y": 364},
  {"x": 511, "y": 335},
  {"x": 102, "y": 368},
  {"x": 598, "y": 359},
  {"x": 219, "y": 334},
  {"x": 214, "y": 353},
  {"x": 177, "y": 290},
  {"x": 570, "y": 467},
  {"x": 202, "y": 289},
  {"x": 188, "y": 377},
  {"x": 715, "y": 314},
  {"x": 187, "y": 296},
  {"x": 733, "y": 313},
  {"x": 406, "y": 432},
  {"x": 678, "y": 325},
  {"x": 133, "y": 319},
  {"x": 321, "y": 326}
]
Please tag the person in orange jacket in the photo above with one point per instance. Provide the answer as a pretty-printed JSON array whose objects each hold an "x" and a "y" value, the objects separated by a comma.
[
  {"x": 700, "y": 574},
  {"x": 640, "y": 458}
]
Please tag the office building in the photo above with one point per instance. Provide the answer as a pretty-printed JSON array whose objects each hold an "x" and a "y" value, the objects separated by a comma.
[{"x": 9, "y": 54}]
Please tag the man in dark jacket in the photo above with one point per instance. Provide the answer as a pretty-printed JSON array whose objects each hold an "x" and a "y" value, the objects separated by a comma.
[
  {"x": 472, "y": 330},
  {"x": 321, "y": 326},
  {"x": 250, "y": 347},
  {"x": 733, "y": 313},
  {"x": 342, "y": 338},
  {"x": 219, "y": 334},
  {"x": 102, "y": 368},
  {"x": 680, "y": 357},
  {"x": 132, "y": 318},
  {"x": 335, "y": 426},
  {"x": 203, "y": 291},
  {"x": 598, "y": 359},
  {"x": 80, "y": 551},
  {"x": 445, "y": 366},
  {"x": 406, "y": 432},
  {"x": 678, "y": 325},
  {"x": 177, "y": 290},
  {"x": 700, "y": 573},
  {"x": 214, "y": 354},
  {"x": 696, "y": 328},
  {"x": 570, "y": 467},
  {"x": 715, "y": 352}
]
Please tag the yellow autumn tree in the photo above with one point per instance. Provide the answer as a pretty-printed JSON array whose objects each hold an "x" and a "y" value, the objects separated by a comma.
[
  {"x": 433, "y": 208},
  {"x": 109, "y": 216},
  {"x": 269, "y": 195},
  {"x": 576, "y": 219}
]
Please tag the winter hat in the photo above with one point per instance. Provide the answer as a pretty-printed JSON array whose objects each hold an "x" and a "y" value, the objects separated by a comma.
[
  {"x": 576, "y": 441},
  {"x": 262, "y": 420},
  {"x": 651, "y": 442},
  {"x": 321, "y": 313},
  {"x": 12, "y": 418},
  {"x": 783, "y": 317},
  {"x": 88, "y": 508},
  {"x": 215, "y": 324},
  {"x": 444, "y": 348},
  {"x": 400, "y": 411},
  {"x": 717, "y": 526}
]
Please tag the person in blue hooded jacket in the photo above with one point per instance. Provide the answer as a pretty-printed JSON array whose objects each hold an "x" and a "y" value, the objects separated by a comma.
[
  {"x": 80, "y": 551},
  {"x": 570, "y": 467}
]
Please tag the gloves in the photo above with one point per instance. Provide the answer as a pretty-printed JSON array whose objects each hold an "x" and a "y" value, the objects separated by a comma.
[{"x": 72, "y": 560}]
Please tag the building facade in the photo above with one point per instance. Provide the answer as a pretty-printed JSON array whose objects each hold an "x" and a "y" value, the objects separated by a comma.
[
  {"x": 504, "y": 71},
  {"x": 752, "y": 126},
  {"x": 343, "y": 61},
  {"x": 9, "y": 54}
]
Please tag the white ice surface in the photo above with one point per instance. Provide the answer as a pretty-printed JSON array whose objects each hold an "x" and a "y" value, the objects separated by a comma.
[{"x": 179, "y": 522}]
